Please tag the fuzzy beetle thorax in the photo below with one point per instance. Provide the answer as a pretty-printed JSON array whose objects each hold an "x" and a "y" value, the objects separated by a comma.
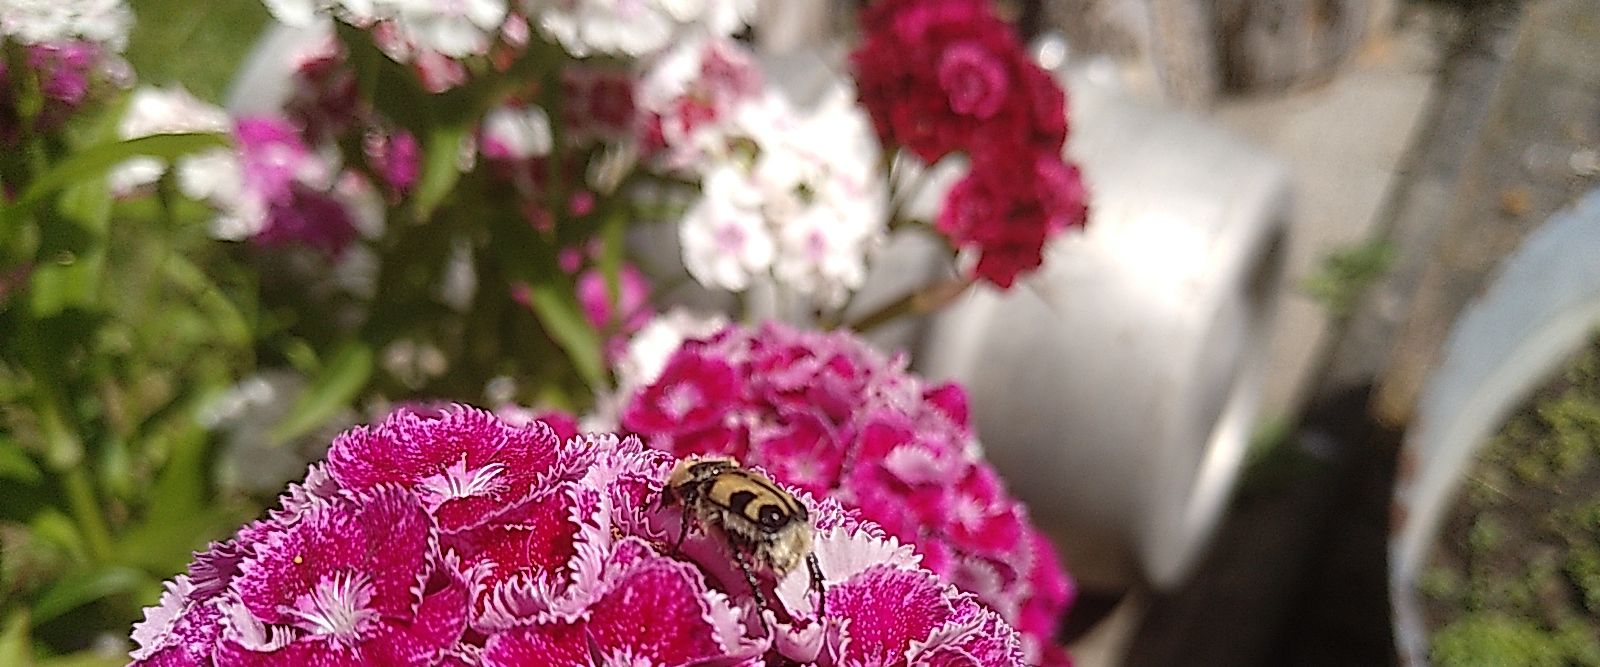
[{"x": 748, "y": 508}]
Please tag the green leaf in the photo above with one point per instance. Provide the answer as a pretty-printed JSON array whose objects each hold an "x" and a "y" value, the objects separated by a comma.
[
  {"x": 392, "y": 87},
  {"x": 179, "y": 516},
  {"x": 165, "y": 540},
  {"x": 16, "y": 646},
  {"x": 93, "y": 162},
  {"x": 84, "y": 659},
  {"x": 15, "y": 464},
  {"x": 223, "y": 316},
  {"x": 613, "y": 243},
  {"x": 81, "y": 588},
  {"x": 335, "y": 386},
  {"x": 180, "y": 489},
  {"x": 53, "y": 526},
  {"x": 561, "y": 316},
  {"x": 440, "y": 168},
  {"x": 73, "y": 283}
]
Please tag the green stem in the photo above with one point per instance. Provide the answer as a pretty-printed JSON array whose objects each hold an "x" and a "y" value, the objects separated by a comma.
[
  {"x": 86, "y": 510},
  {"x": 921, "y": 301}
]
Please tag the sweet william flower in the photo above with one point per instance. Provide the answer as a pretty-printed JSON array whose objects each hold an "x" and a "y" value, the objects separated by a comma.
[
  {"x": 1008, "y": 207},
  {"x": 351, "y": 582},
  {"x": 356, "y": 567},
  {"x": 726, "y": 241},
  {"x": 829, "y": 415},
  {"x": 634, "y": 27},
  {"x": 470, "y": 466},
  {"x": 153, "y": 111},
  {"x": 943, "y": 76},
  {"x": 104, "y": 22},
  {"x": 408, "y": 28},
  {"x": 69, "y": 75},
  {"x": 273, "y": 190},
  {"x": 688, "y": 98}
]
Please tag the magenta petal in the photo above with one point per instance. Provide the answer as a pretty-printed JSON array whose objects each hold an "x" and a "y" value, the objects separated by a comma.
[
  {"x": 986, "y": 520},
  {"x": 693, "y": 392},
  {"x": 438, "y": 625},
  {"x": 977, "y": 636},
  {"x": 555, "y": 645},
  {"x": 383, "y": 541},
  {"x": 805, "y": 452},
  {"x": 658, "y": 611},
  {"x": 183, "y": 640},
  {"x": 951, "y": 400},
  {"x": 399, "y": 537},
  {"x": 468, "y": 465},
  {"x": 535, "y": 539},
  {"x": 888, "y": 608}
]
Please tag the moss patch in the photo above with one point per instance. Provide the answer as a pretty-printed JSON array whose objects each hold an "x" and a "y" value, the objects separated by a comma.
[{"x": 1515, "y": 579}]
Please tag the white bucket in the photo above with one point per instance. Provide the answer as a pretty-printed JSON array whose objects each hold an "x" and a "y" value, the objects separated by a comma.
[
  {"x": 1539, "y": 310},
  {"x": 1117, "y": 388}
]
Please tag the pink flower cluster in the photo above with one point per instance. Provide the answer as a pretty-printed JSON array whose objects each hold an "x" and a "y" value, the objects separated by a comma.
[
  {"x": 459, "y": 539},
  {"x": 66, "y": 75},
  {"x": 948, "y": 76},
  {"x": 326, "y": 105},
  {"x": 285, "y": 190},
  {"x": 826, "y": 413}
]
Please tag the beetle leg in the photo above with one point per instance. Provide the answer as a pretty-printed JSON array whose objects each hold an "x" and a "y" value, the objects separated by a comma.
[
  {"x": 817, "y": 585},
  {"x": 739, "y": 557},
  {"x": 683, "y": 530}
]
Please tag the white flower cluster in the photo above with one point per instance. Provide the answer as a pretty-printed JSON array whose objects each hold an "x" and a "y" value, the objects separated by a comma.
[
  {"x": 105, "y": 22},
  {"x": 635, "y": 27},
  {"x": 790, "y": 195},
  {"x": 453, "y": 28},
  {"x": 517, "y": 133},
  {"x": 153, "y": 111}
]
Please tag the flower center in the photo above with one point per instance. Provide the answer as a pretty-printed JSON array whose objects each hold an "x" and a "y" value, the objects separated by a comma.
[
  {"x": 680, "y": 399},
  {"x": 730, "y": 237},
  {"x": 457, "y": 481},
  {"x": 974, "y": 80},
  {"x": 337, "y": 607}
]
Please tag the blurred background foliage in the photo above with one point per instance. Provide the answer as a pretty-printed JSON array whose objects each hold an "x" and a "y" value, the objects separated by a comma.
[
  {"x": 119, "y": 320},
  {"x": 127, "y": 332}
]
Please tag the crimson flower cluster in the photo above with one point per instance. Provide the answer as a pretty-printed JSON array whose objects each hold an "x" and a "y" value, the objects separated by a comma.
[
  {"x": 829, "y": 415},
  {"x": 455, "y": 538},
  {"x": 948, "y": 76}
]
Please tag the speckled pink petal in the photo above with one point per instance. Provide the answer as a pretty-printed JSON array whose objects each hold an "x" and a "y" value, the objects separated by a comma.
[
  {"x": 535, "y": 539},
  {"x": 461, "y": 655},
  {"x": 888, "y": 608},
  {"x": 974, "y": 636},
  {"x": 553, "y": 645},
  {"x": 438, "y": 624},
  {"x": 693, "y": 392},
  {"x": 177, "y": 633},
  {"x": 468, "y": 464},
  {"x": 384, "y": 536},
  {"x": 400, "y": 537},
  {"x": 657, "y": 611}
]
